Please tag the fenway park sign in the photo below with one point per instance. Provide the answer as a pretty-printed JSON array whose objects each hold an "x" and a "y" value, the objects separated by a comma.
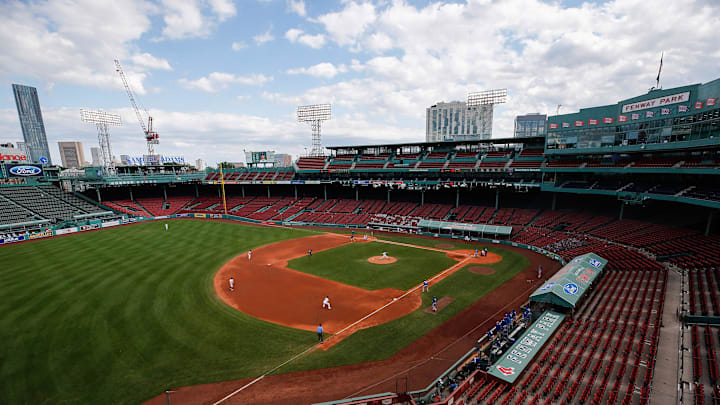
[{"x": 657, "y": 102}]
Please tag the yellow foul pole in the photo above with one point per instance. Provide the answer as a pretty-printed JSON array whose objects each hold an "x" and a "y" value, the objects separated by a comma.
[{"x": 222, "y": 185}]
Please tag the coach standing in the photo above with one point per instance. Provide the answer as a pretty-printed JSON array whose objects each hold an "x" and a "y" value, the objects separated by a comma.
[{"x": 320, "y": 333}]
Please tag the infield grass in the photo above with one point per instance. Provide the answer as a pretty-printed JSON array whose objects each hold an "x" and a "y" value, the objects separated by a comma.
[
  {"x": 348, "y": 264},
  {"x": 382, "y": 341},
  {"x": 120, "y": 315}
]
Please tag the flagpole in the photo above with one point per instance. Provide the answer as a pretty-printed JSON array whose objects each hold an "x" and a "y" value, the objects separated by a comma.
[{"x": 657, "y": 79}]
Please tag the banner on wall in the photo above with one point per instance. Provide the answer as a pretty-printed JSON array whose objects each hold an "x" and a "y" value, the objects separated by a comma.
[
  {"x": 110, "y": 223},
  {"x": 66, "y": 231},
  {"x": 89, "y": 227}
]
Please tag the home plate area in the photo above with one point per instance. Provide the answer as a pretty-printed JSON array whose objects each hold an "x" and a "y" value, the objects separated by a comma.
[{"x": 442, "y": 303}]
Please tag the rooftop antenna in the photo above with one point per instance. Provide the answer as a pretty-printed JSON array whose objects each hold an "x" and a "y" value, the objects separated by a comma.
[
  {"x": 557, "y": 111},
  {"x": 102, "y": 119},
  {"x": 314, "y": 115}
]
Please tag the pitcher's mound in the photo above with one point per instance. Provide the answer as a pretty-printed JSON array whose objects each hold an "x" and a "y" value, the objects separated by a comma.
[
  {"x": 382, "y": 260},
  {"x": 442, "y": 303},
  {"x": 481, "y": 270}
]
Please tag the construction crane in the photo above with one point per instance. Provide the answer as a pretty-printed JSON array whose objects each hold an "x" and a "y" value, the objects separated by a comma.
[{"x": 151, "y": 137}]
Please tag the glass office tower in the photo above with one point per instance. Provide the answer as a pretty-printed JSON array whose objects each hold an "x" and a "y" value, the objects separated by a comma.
[{"x": 33, "y": 129}]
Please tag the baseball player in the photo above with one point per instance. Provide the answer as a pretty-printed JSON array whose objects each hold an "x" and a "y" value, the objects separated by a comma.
[
  {"x": 320, "y": 333},
  {"x": 385, "y": 256},
  {"x": 426, "y": 286},
  {"x": 166, "y": 227},
  {"x": 352, "y": 238},
  {"x": 232, "y": 284},
  {"x": 326, "y": 302},
  {"x": 365, "y": 237},
  {"x": 434, "y": 304},
  {"x": 310, "y": 252},
  {"x": 540, "y": 271},
  {"x": 249, "y": 254},
  {"x": 476, "y": 254}
]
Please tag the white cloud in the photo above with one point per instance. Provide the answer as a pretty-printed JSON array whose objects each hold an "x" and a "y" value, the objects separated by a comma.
[
  {"x": 151, "y": 62},
  {"x": 187, "y": 18},
  {"x": 62, "y": 42},
  {"x": 238, "y": 45},
  {"x": 264, "y": 37},
  {"x": 297, "y": 7},
  {"x": 326, "y": 70},
  {"x": 296, "y": 35},
  {"x": 217, "y": 81},
  {"x": 346, "y": 26}
]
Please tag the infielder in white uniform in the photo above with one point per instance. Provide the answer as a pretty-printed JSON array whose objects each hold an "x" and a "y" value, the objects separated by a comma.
[
  {"x": 249, "y": 254},
  {"x": 232, "y": 284},
  {"x": 166, "y": 226},
  {"x": 326, "y": 302}
]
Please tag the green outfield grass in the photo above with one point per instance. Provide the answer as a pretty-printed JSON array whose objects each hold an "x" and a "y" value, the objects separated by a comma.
[
  {"x": 348, "y": 265},
  {"x": 120, "y": 315}
]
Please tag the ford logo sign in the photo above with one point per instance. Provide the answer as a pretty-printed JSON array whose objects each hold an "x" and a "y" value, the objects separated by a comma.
[{"x": 25, "y": 170}]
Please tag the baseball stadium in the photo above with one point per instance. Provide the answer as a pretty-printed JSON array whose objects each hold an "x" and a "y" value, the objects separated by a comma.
[{"x": 581, "y": 266}]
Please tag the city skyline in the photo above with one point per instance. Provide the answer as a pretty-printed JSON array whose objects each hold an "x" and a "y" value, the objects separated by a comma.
[{"x": 221, "y": 77}]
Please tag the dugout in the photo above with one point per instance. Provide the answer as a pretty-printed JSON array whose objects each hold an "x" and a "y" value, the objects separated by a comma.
[{"x": 566, "y": 288}]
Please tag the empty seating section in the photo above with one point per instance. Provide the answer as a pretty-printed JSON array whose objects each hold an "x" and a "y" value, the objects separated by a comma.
[
  {"x": 436, "y": 155},
  {"x": 407, "y": 156},
  {"x": 311, "y": 163},
  {"x": 656, "y": 162},
  {"x": 693, "y": 252},
  {"x": 502, "y": 216},
  {"x": 531, "y": 153},
  {"x": 359, "y": 166},
  {"x": 564, "y": 163},
  {"x": 379, "y": 157},
  {"x": 523, "y": 216},
  {"x": 607, "y": 163},
  {"x": 13, "y": 213},
  {"x": 498, "y": 154},
  {"x": 432, "y": 211},
  {"x": 340, "y": 165},
  {"x": 343, "y": 157},
  {"x": 606, "y": 355},
  {"x": 466, "y": 155},
  {"x": 699, "y": 163},
  {"x": 526, "y": 164},
  {"x": 704, "y": 353},
  {"x": 432, "y": 165},
  {"x": 462, "y": 165},
  {"x": 492, "y": 164},
  {"x": 704, "y": 292},
  {"x": 127, "y": 207},
  {"x": 43, "y": 202}
]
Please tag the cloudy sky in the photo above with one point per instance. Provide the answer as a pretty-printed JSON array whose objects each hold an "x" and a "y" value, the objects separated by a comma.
[{"x": 223, "y": 76}]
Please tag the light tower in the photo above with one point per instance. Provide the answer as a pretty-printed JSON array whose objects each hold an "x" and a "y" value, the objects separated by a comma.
[
  {"x": 314, "y": 115},
  {"x": 485, "y": 101},
  {"x": 102, "y": 119}
]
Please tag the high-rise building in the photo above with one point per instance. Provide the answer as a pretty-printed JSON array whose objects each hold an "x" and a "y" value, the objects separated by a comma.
[
  {"x": 31, "y": 122},
  {"x": 200, "y": 164},
  {"x": 96, "y": 153},
  {"x": 530, "y": 125},
  {"x": 72, "y": 154},
  {"x": 455, "y": 121},
  {"x": 283, "y": 160}
]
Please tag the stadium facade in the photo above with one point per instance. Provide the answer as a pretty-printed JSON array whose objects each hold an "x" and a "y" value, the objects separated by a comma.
[{"x": 31, "y": 122}]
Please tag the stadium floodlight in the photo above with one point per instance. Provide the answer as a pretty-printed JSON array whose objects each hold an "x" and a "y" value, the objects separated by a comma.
[
  {"x": 102, "y": 119},
  {"x": 314, "y": 115},
  {"x": 487, "y": 97}
]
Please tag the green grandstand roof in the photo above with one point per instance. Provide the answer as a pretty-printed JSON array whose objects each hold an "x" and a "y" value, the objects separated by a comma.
[
  {"x": 567, "y": 286},
  {"x": 458, "y": 226}
]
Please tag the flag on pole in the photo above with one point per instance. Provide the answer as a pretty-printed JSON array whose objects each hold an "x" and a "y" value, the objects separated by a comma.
[
  {"x": 657, "y": 79},
  {"x": 665, "y": 111}
]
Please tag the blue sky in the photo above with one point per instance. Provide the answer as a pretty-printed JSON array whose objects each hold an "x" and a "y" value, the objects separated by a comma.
[{"x": 223, "y": 76}]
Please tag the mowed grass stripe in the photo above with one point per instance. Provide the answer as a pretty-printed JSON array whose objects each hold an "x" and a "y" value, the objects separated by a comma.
[
  {"x": 117, "y": 316},
  {"x": 348, "y": 264}
]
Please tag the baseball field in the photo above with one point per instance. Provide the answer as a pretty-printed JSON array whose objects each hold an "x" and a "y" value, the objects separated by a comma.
[{"x": 121, "y": 315}]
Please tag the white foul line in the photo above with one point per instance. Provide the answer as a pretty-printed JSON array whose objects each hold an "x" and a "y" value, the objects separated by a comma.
[{"x": 230, "y": 395}]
